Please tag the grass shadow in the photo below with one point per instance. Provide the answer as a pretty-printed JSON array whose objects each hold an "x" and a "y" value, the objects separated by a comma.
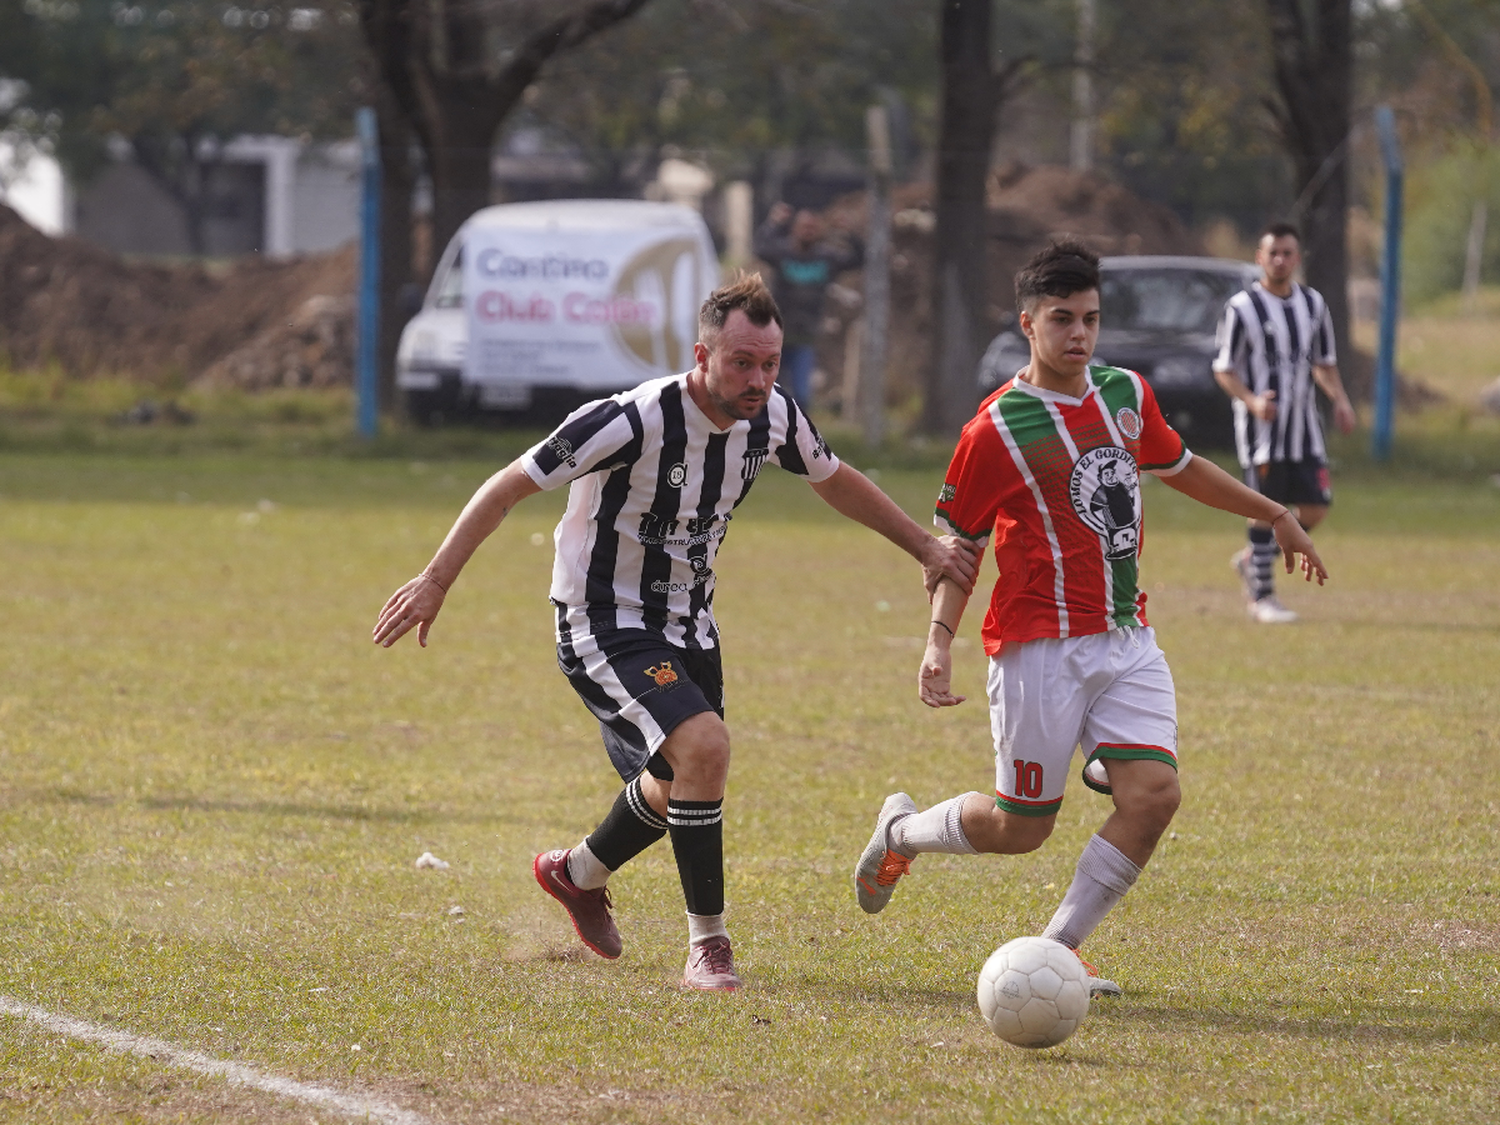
[{"x": 1376, "y": 1023}]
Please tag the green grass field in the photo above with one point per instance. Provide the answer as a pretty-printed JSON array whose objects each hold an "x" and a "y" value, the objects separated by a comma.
[{"x": 214, "y": 789}]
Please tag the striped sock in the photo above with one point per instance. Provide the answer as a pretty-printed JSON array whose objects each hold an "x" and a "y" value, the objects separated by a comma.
[
  {"x": 697, "y": 830},
  {"x": 630, "y": 828},
  {"x": 1263, "y": 552}
]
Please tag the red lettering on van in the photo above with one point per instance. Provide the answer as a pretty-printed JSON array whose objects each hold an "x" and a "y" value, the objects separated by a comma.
[
  {"x": 580, "y": 308},
  {"x": 493, "y": 307}
]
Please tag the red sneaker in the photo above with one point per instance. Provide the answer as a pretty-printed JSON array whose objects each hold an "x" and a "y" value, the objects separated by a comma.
[
  {"x": 710, "y": 967},
  {"x": 588, "y": 909}
]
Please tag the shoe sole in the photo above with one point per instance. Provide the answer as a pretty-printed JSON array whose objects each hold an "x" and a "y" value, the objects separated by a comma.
[
  {"x": 686, "y": 987},
  {"x": 536, "y": 871}
]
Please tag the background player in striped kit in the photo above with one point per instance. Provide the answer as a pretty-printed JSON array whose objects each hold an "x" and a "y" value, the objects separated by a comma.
[
  {"x": 655, "y": 474},
  {"x": 1275, "y": 342},
  {"x": 1050, "y": 465}
]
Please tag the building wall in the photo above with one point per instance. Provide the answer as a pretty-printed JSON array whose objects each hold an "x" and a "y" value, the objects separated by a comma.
[{"x": 270, "y": 196}]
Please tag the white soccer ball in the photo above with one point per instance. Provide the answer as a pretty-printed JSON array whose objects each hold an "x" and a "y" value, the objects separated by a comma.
[{"x": 1033, "y": 992}]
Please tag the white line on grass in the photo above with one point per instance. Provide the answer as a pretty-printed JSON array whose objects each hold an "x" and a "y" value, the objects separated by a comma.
[{"x": 237, "y": 1074}]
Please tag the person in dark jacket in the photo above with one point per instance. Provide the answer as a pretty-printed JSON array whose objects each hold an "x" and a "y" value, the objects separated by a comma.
[{"x": 805, "y": 263}]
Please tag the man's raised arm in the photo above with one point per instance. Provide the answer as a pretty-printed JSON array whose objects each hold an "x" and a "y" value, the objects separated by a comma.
[
  {"x": 417, "y": 603},
  {"x": 850, "y": 493}
]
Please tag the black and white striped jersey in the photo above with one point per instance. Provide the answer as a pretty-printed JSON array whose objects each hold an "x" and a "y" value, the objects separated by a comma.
[
  {"x": 1272, "y": 344},
  {"x": 654, "y": 484}
]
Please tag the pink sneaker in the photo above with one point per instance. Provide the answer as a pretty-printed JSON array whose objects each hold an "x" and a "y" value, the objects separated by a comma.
[
  {"x": 588, "y": 909},
  {"x": 710, "y": 967}
]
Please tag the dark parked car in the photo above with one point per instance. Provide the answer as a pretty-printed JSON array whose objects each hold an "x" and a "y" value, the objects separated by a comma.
[{"x": 1157, "y": 317}]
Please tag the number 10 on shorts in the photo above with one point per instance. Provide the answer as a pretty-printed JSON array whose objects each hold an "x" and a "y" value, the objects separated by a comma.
[{"x": 1028, "y": 779}]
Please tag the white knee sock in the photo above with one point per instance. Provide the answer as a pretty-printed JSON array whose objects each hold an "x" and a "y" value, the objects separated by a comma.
[
  {"x": 1103, "y": 875},
  {"x": 938, "y": 829}
]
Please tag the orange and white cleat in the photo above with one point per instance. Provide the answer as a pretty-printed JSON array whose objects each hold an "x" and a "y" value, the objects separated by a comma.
[
  {"x": 1099, "y": 986},
  {"x": 880, "y": 866}
]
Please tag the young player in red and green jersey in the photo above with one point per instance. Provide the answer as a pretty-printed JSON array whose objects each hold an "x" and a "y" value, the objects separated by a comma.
[{"x": 1049, "y": 468}]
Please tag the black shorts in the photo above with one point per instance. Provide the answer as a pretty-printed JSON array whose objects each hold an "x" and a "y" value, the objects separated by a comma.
[
  {"x": 640, "y": 687},
  {"x": 1292, "y": 482}
]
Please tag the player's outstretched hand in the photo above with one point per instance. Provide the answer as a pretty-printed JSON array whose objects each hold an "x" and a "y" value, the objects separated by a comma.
[
  {"x": 414, "y": 605},
  {"x": 1295, "y": 541},
  {"x": 949, "y": 556},
  {"x": 935, "y": 678}
]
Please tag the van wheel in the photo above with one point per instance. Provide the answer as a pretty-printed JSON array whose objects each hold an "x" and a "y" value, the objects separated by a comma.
[
  {"x": 436, "y": 406},
  {"x": 425, "y": 408}
]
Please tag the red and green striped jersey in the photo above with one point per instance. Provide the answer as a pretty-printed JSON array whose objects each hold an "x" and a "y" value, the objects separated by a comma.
[{"x": 1057, "y": 480}]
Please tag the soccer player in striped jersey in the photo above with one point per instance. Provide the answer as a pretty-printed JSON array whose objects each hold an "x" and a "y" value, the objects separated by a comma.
[
  {"x": 1050, "y": 469},
  {"x": 654, "y": 476},
  {"x": 1275, "y": 342}
]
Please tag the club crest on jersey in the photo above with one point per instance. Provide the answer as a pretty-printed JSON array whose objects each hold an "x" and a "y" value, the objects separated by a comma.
[
  {"x": 1105, "y": 490},
  {"x": 662, "y": 674},
  {"x": 1129, "y": 422},
  {"x": 755, "y": 460},
  {"x": 677, "y": 474}
]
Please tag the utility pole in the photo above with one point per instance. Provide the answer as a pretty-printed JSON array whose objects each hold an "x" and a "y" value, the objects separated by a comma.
[
  {"x": 1081, "y": 134},
  {"x": 877, "y": 278}
]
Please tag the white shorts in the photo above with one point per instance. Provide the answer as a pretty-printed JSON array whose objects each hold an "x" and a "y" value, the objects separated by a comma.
[{"x": 1110, "y": 693}]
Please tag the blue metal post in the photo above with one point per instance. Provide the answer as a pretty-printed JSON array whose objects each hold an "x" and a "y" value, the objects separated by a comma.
[
  {"x": 367, "y": 366},
  {"x": 1390, "y": 286}
]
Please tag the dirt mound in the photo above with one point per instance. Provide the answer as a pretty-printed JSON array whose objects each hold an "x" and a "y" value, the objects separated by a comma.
[
  {"x": 66, "y": 301},
  {"x": 315, "y": 348}
]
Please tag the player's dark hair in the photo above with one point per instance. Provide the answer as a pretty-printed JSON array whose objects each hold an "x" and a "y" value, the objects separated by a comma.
[
  {"x": 749, "y": 294},
  {"x": 1281, "y": 230},
  {"x": 1065, "y": 267}
]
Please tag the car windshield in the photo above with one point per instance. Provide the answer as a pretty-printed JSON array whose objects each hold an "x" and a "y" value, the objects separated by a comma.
[
  {"x": 1164, "y": 300},
  {"x": 450, "y": 291}
]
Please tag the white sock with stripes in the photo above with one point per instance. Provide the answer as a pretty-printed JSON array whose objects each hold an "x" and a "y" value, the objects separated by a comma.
[{"x": 938, "y": 829}]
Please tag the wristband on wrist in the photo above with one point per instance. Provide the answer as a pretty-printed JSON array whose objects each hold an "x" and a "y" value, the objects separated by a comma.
[
  {"x": 434, "y": 581},
  {"x": 943, "y": 627}
]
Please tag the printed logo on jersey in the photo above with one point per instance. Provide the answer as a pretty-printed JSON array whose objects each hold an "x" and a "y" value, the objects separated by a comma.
[
  {"x": 947, "y": 493},
  {"x": 755, "y": 460},
  {"x": 1129, "y": 422},
  {"x": 703, "y": 571},
  {"x": 563, "y": 448},
  {"x": 1105, "y": 490},
  {"x": 662, "y": 674},
  {"x": 677, "y": 474}
]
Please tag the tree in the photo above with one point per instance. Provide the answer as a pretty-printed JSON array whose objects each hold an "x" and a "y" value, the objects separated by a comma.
[
  {"x": 1313, "y": 63},
  {"x": 972, "y": 91},
  {"x": 457, "y": 70},
  {"x": 174, "y": 82}
]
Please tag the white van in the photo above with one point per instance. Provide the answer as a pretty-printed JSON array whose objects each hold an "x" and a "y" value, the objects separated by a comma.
[{"x": 565, "y": 299}]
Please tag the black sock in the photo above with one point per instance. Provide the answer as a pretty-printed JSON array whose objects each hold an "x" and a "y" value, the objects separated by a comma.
[
  {"x": 697, "y": 829},
  {"x": 1263, "y": 552},
  {"x": 631, "y": 827}
]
